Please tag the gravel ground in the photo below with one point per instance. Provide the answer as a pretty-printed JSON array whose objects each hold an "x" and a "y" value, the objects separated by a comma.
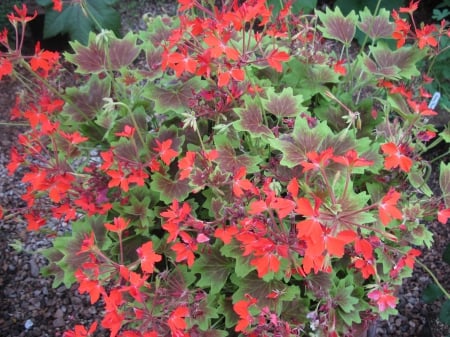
[{"x": 29, "y": 306}]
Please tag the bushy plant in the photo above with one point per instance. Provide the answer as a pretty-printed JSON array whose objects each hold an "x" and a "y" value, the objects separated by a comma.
[
  {"x": 78, "y": 18},
  {"x": 226, "y": 172}
]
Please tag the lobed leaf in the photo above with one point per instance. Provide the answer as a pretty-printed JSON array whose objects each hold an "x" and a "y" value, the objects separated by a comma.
[
  {"x": 214, "y": 269},
  {"x": 87, "y": 100},
  {"x": 375, "y": 26},
  {"x": 444, "y": 183},
  {"x": 169, "y": 189},
  {"x": 283, "y": 104},
  {"x": 251, "y": 120},
  {"x": 336, "y": 26},
  {"x": 89, "y": 59},
  {"x": 122, "y": 52}
]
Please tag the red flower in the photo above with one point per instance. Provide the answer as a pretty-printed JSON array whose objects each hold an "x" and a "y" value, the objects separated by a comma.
[
  {"x": 74, "y": 138},
  {"x": 43, "y": 60},
  {"x": 165, "y": 151},
  {"x": 276, "y": 58},
  {"x": 185, "y": 250},
  {"x": 421, "y": 108},
  {"x": 34, "y": 221},
  {"x": 148, "y": 257},
  {"x": 80, "y": 331},
  {"x": 383, "y": 298},
  {"x": 177, "y": 321},
  {"x": 226, "y": 234},
  {"x": 425, "y": 36},
  {"x": 240, "y": 184},
  {"x": 339, "y": 67},
  {"x": 413, "y": 5},
  {"x": 366, "y": 267},
  {"x": 57, "y": 5},
  {"x": 113, "y": 321},
  {"x": 309, "y": 229},
  {"x": 6, "y": 67},
  {"x": 387, "y": 208},
  {"x": 401, "y": 29},
  {"x": 245, "y": 318},
  {"x": 181, "y": 62},
  {"x": 317, "y": 160},
  {"x": 119, "y": 225},
  {"x": 186, "y": 165},
  {"x": 351, "y": 159},
  {"x": 22, "y": 18},
  {"x": 218, "y": 47},
  {"x": 118, "y": 178},
  {"x": 443, "y": 215},
  {"x": 396, "y": 157},
  {"x": 185, "y": 5},
  {"x": 92, "y": 287},
  {"x": 128, "y": 132}
]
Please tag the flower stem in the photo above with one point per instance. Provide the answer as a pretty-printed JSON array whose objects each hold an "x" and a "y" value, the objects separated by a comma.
[{"x": 433, "y": 276}]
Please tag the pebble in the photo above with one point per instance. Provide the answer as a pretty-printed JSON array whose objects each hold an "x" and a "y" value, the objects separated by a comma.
[{"x": 59, "y": 322}]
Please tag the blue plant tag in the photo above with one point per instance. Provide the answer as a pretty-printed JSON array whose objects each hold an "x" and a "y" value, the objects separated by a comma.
[{"x": 434, "y": 100}]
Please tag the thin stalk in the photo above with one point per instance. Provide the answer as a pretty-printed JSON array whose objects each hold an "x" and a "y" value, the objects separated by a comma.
[
  {"x": 440, "y": 156},
  {"x": 436, "y": 281},
  {"x": 141, "y": 138},
  {"x": 377, "y": 8}
]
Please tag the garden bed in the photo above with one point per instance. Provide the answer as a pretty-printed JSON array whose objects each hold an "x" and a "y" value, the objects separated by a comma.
[{"x": 29, "y": 306}]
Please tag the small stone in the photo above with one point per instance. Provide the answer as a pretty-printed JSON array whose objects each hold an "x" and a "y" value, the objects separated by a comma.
[
  {"x": 59, "y": 313},
  {"x": 59, "y": 322},
  {"x": 28, "y": 324},
  {"x": 34, "y": 269}
]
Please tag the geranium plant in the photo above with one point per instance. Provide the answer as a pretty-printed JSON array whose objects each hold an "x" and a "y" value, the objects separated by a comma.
[{"x": 233, "y": 172}]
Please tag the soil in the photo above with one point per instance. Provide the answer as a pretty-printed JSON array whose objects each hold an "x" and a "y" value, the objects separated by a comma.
[{"x": 29, "y": 306}]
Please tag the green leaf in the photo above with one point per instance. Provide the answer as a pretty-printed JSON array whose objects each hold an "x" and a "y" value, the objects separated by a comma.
[
  {"x": 336, "y": 26},
  {"x": 229, "y": 161},
  {"x": 446, "y": 254},
  {"x": 308, "y": 79},
  {"x": 214, "y": 269},
  {"x": 260, "y": 289},
  {"x": 225, "y": 306},
  {"x": 444, "y": 314},
  {"x": 88, "y": 59},
  {"x": 88, "y": 99},
  {"x": 242, "y": 265},
  {"x": 431, "y": 293},
  {"x": 251, "y": 120},
  {"x": 170, "y": 189},
  {"x": 400, "y": 63},
  {"x": 416, "y": 178},
  {"x": 421, "y": 235},
  {"x": 54, "y": 256},
  {"x": 304, "y": 6},
  {"x": 122, "y": 52},
  {"x": 445, "y": 134},
  {"x": 207, "y": 311},
  {"x": 92, "y": 57},
  {"x": 384, "y": 259},
  {"x": 303, "y": 139},
  {"x": 346, "y": 6},
  {"x": 44, "y": 3},
  {"x": 64, "y": 257},
  {"x": 444, "y": 182},
  {"x": 284, "y": 103},
  {"x": 174, "y": 96},
  {"x": 75, "y": 19},
  {"x": 342, "y": 297},
  {"x": 376, "y": 26}
]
